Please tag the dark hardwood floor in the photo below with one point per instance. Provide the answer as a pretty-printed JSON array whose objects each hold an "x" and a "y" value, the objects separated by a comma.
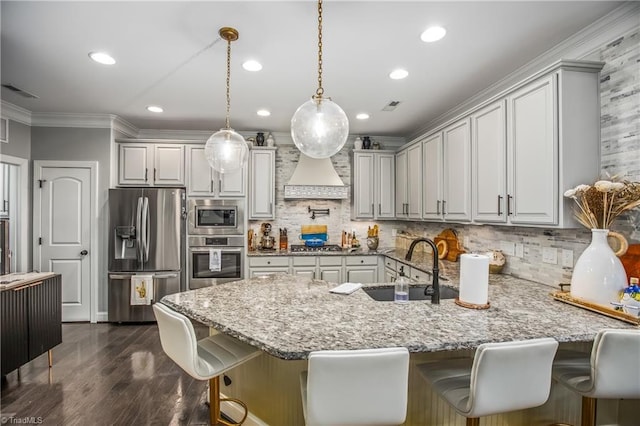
[{"x": 105, "y": 374}]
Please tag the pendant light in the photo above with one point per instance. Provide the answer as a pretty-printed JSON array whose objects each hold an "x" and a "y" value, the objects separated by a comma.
[
  {"x": 319, "y": 127},
  {"x": 226, "y": 150}
]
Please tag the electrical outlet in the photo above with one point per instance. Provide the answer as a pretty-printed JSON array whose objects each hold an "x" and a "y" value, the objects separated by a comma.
[
  {"x": 519, "y": 250},
  {"x": 508, "y": 248},
  {"x": 567, "y": 258},
  {"x": 394, "y": 232},
  {"x": 550, "y": 255},
  {"x": 465, "y": 241}
]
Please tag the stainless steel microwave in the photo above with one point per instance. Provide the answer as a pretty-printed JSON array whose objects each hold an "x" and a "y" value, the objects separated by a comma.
[{"x": 216, "y": 217}]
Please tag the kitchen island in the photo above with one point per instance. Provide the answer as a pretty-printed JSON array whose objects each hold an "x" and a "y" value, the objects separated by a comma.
[{"x": 288, "y": 316}]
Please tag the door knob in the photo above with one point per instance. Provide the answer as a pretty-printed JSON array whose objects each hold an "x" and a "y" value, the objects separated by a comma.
[{"x": 84, "y": 253}]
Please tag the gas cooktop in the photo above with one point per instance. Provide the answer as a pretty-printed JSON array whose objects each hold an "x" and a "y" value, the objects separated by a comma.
[{"x": 295, "y": 248}]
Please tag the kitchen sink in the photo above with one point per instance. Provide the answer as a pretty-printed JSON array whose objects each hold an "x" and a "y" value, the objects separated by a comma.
[{"x": 385, "y": 293}]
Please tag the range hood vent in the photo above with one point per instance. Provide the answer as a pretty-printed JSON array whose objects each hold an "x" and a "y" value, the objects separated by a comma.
[{"x": 315, "y": 178}]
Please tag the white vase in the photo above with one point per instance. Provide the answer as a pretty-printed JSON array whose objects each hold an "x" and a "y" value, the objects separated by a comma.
[
  {"x": 357, "y": 143},
  {"x": 598, "y": 275}
]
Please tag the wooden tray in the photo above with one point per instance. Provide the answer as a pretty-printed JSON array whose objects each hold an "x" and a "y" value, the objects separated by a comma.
[{"x": 565, "y": 296}]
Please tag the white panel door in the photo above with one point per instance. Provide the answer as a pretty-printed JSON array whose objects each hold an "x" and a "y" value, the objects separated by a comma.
[
  {"x": 363, "y": 191},
  {"x": 457, "y": 172},
  {"x": 533, "y": 155},
  {"x": 65, "y": 229},
  {"x": 432, "y": 172},
  {"x": 489, "y": 145},
  {"x": 386, "y": 185},
  {"x": 200, "y": 175}
]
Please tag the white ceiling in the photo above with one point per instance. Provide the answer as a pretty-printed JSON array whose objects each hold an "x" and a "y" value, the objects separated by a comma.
[{"x": 156, "y": 44}]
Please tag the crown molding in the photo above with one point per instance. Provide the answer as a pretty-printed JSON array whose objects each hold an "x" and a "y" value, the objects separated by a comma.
[
  {"x": 16, "y": 113},
  {"x": 580, "y": 45},
  {"x": 89, "y": 121},
  {"x": 123, "y": 126}
]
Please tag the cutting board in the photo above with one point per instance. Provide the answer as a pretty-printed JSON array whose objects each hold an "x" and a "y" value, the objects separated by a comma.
[
  {"x": 313, "y": 229},
  {"x": 453, "y": 246},
  {"x": 631, "y": 261}
]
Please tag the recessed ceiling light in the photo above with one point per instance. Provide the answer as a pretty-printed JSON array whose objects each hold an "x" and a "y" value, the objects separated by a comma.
[
  {"x": 433, "y": 34},
  {"x": 102, "y": 58},
  {"x": 252, "y": 65},
  {"x": 154, "y": 108},
  {"x": 362, "y": 116},
  {"x": 263, "y": 113},
  {"x": 398, "y": 74}
]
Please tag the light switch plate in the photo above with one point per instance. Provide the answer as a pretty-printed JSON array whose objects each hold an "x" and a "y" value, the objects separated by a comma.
[
  {"x": 394, "y": 232},
  {"x": 550, "y": 255},
  {"x": 519, "y": 250},
  {"x": 508, "y": 248},
  {"x": 465, "y": 241},
  {"x": 567, "y": 258}
]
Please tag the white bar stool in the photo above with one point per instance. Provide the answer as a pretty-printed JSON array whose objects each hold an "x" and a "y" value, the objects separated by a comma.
[
  {"x": 205, "y": 359},
  {"x": 609, "y": 372},
  {"x": 356, "y": 387},
  {"x": 501, "y": 377}
]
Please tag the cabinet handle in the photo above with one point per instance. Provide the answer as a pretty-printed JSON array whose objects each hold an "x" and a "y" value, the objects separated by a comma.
[
  {"x": 146, "y": 173},
  {"x": 270, "y": 207},
  {"x": 379, "y": 209},
  {"x": 438, "y": 207},
  {"x": 499, "y": 205},
  {"x": 219, "y": 186},
  {"x": 509, "y": 197},
  {"x": 373, "y": 208},
  {"x": 313, "y": 275},
  {"x": 361, "y": 261},
  {"x": 444, "y": 204},
  {"x": 154, "y": 174},
  {"x": 268, "y": 262},
  {"x": 211, "y": 187}
]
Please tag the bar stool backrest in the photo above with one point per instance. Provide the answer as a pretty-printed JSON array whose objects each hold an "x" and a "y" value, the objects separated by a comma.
[
  {"x": 615, "y": 360},
  {"x": 509, "y": 376}
]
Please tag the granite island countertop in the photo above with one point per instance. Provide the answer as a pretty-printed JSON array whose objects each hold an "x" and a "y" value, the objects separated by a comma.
[
  {"x": 289, "y": 316},
  {"x": 19, "y": 279}
]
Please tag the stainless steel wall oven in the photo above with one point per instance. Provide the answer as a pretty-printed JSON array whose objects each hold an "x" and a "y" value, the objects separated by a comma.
[{"x": 230, "y": 248}]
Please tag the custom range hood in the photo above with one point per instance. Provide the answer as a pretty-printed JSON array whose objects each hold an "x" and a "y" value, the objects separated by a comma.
[{"x": 315, "y": 178}]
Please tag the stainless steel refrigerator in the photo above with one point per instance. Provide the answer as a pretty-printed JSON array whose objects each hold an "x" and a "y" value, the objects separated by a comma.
[{"x": 146, "y": 236}]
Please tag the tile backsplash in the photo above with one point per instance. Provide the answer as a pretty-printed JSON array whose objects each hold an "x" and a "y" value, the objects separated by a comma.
[{"x": 620, "y": 147}]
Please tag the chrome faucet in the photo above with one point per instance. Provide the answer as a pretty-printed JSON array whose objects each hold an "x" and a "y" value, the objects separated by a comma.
[{"x": 435, "y": 282}]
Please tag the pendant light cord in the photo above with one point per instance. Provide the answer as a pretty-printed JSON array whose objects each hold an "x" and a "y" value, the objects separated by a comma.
[
  {"x": 320, "y": 90},
  {"x": 228, "y": 82}
]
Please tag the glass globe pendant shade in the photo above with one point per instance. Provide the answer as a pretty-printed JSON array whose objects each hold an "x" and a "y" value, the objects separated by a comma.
[
  {"x": 226, "y": 151},
  {"x": 319, "y": 128}
]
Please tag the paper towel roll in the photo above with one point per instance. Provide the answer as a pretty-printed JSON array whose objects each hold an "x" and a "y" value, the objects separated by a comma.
[{"x": 474, "y": 278}]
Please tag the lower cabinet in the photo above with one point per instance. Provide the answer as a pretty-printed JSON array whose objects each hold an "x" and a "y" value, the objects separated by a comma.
[
  {"x": 31, "y": 321},
  {"x": 337, "y": 269}
]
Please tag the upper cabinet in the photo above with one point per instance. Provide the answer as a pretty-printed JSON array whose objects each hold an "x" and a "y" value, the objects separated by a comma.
[
  {"x": 151, "y": 164},
  {"x": 262, "y": 164},
  {"x": 446, "y": 163},
  {"x": 203, "y": 181},
  {"x": 373, "y": 185},
  {"x": 409, "y": 183},
  {"x": 533, "y": 144}
]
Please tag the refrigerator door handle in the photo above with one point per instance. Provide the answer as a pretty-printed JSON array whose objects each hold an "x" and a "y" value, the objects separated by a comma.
[
  {"x": 165, "y": 276},
  {"x": 120, "y": 277},
  {"x": 139, "y": 231},
  {"x": 146, "y": 219}
]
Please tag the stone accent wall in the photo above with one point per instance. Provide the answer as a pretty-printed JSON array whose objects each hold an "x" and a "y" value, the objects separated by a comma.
[{"x": 620, "y": 121}]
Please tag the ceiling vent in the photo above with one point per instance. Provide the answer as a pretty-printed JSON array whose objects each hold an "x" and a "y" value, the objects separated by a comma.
[
  {"x": 19, "y": 91},
  {"x": 391, "y": 106}
]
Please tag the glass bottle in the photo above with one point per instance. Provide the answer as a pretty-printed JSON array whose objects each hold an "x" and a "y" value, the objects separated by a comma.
[{"x": 401, "y": 291}]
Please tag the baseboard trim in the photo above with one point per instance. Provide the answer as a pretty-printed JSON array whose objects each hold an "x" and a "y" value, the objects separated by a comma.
[{"x": 235, "y": 412}]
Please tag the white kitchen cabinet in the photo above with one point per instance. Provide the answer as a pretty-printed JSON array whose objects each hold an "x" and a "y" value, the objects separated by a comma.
[
  {"x": 203, "y": 181},
  {"x": 373, "y": 185},
  {"x": 268, "y": 265},
  {"x": 331, "y": 268},
  {"x": 262, "y": 164},
  {"x": 535, "y": 143},
  {"x": 446, "y": 161},
  {"x": 409, "y": 183},
  {"x": 361, "y": 269},
  {"x": 151, "y": 164}
]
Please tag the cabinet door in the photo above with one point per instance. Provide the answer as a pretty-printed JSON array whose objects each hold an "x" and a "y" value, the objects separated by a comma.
[
  {"x": 432, "y": 172},
  {"x": 362, "y": 274},
  {"x": 168, "y": 165},
  {"x": 389, "y": 275},
  {"x": 414, "y": 181},
  {"x": 134, "y": 164},
  {"x": 532, "y": 154},
  {"x": 489, "y": 158},
  {"x": 261, "y": 184},
  {"x": 364, "y": 185},
  {"x": 231, "y": 184},
  {"x": 457, "y": 172},
  {"x": 401, "y": 185},
  {"x": 261, "y": 272},
  {"x": 331, "y": 274},
  {"x": 15, "y": 329},
  {"x": 45, "y": 316},
  {"x": 200, "y": 182},
  {"x": 386, "y": 185},
  {"x": 305, "y": 271}
]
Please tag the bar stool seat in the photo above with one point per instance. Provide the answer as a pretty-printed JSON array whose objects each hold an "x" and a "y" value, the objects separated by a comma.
[
  {"x": 501, "y": 377},
  {"x": 205, "y": 359},
  {"x": 610, "y": 371},
  {"x": 356, "y": 387}
]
